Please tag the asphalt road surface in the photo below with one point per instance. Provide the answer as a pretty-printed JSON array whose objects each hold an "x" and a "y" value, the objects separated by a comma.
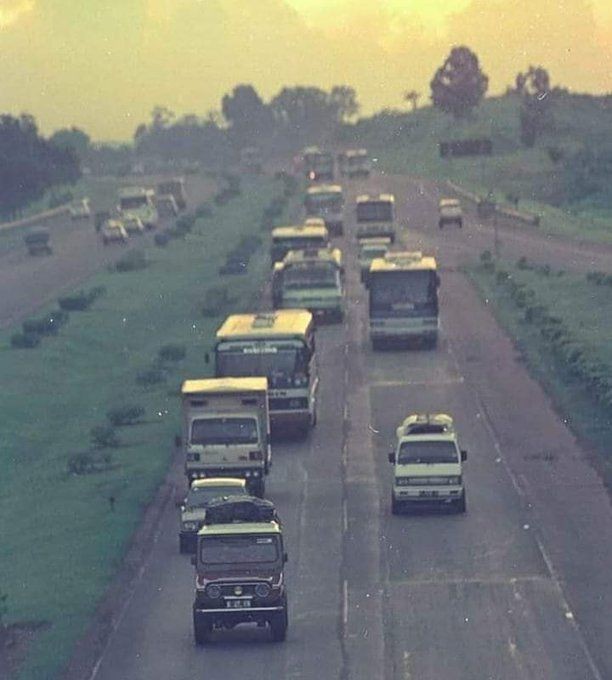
[
  {"x": 27, "y": 283},
  {"x": 518, "y": 588}
]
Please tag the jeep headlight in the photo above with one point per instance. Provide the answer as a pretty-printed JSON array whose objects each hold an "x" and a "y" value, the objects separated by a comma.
[
  {"x": 213, "y": 591},
  {"x": 190, "y": 526},
  {"x": 262, "y": 590}
]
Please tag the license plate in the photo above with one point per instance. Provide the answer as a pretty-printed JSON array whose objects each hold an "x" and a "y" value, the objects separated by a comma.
[
  {"x": 428, "y": 494},
  {"x": 238, "y": 604}
]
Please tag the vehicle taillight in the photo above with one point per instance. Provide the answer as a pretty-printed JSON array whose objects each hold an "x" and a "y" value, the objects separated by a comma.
[{"x": 255, "y": 455}]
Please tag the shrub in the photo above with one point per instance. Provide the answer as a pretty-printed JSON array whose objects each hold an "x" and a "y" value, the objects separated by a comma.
[
  {"x": 128, "y": 414},
  {"x": 82, "y": 300},
  {"x": 172, "y": 353},
  {"x": 502, "y": 276},
  {"x": 150, "y": 377},
  {"x": 104, "y": 437},
  {"x": 132, "y": 261},
  {"x": 48, "y": 325},
  {"x": 534, "y": 313},
  {"x": 25, "y": 340},
  {"x": 161, "y": 239},
  {"x": 204, "y": 211},
  {"x": 486, "y": 256},
  {"x": 87, "y": 463},
  {"x": 56, "y": 200}
]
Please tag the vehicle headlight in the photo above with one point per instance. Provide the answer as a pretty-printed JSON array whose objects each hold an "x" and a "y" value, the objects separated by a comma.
[
  {"x": 262, "y": 590},
  {"x": 190, "y": 526},
  {"x": 402, "y": 481},
  {"x": 454, "y": 481},
  {"x": 247, "y": 473},
  {"x": 213, "y": 591},
  {"x": 255, "y": 473}
]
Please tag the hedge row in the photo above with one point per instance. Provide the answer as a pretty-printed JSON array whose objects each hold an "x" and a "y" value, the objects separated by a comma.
[{"x": 33, "y": 330}]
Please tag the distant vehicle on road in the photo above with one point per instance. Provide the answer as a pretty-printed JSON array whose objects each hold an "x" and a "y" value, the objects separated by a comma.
[
  {"x": 166, "y": 207},
  {"x": 38, "y": 241},
  {"x": 139, "y": 201},
  {"x": 113, "y": 231},
  {"x": 317, "y": 165},
  {"x": 193, "y": 509},
  {"x": 239, "y": 563},
  {"x": 174, "y": 187},
  {"x": 80, "y": 210},
  {"x": 375, "y": 214},
  {"x": 403, "y": 299},
  {"x": 427, "y": 463},
  {"x": 133, "y": 225},
  {"x": 297, "y": 237},
  {"x": 354, "y": 164},
  {"x": 450, "y": 212},
  {"x": 326, "y": 201},
  {"x": 369, "y": 250}
]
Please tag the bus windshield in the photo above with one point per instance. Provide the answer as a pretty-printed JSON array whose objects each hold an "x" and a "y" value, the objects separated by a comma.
[
  {"x": 247, "y": 549},
  {"x": 375, "y": 211},
  {"x": 402, "y": 291},
  {"x": 322, "y": 276},
  {"x": 320, "y": 203},
  {"x": 281, "y": 365}
]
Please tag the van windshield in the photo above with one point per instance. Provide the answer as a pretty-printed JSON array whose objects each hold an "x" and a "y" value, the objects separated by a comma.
[
  {"x": 427, "y": 452},
  {"x": 206, "y": 431}
]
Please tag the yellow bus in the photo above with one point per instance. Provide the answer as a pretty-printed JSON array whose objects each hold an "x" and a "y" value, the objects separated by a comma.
[
  {"x": 403, "y": 298},
  {"x": 327, "y": 202},
  {"x": 278, "y": 345},
  {"x": 285, "y": 239}
]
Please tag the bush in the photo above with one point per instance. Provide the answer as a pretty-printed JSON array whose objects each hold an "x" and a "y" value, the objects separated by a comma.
[
  {"x": 172, "y": 353},
  {"x": 502, "y": 276},
  {"x": 216, "y": 301},
  {"x": 204, "y": 211},
  {"x": 129, "y": 414},
  {"x": 86, "y": 463},
  {"x": 132, "y": 261},
  {"x": 25, "y": 340},
  {"x": 185, "y": 223},
  {"x": 82, "y": 300},
  {"x": 150, "y": 377},
  {"x": 56, "y": 200},
  {"x": 48, "y": 325},
  {"x": 104, "y": 437},
  {"x": 162, "y": 239}
]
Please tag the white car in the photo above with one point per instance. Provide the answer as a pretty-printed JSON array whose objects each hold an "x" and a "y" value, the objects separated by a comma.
[
  {"x": 80, "y": 210},
  {"x": 113, "y": 231},
  {"x": 427, "y": 463},
  {"x": 133, "y": 225}
]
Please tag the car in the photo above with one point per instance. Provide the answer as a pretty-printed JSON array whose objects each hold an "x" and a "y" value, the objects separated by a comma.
[
  {"x": 427, "y": 463},
  {"x": 450, "y": 212},
  {"x": 80, "y": 210},
  {"x": 369, "y": 250},
  {"x": 113, "y": 231},
  {"x": 133, "y": 224},
  {"x": 193, "y": 508}
]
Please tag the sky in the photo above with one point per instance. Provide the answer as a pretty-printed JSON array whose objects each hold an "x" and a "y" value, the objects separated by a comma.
[{"x": 103, "y": 65}]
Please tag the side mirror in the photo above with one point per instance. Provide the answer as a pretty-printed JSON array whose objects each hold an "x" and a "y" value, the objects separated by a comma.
[
  {"x": 207, "y": 358},
  {"x": 463, "y": 455},
  {"x": 391, "y": 457},
  {"x": 193, "y": 560},
  {"x": 178, "y": 441},
  {"x": 285, "y": 557}
]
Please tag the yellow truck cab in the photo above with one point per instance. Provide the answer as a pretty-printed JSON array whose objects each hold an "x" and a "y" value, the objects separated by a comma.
[
  {"x": 226, "y": 429},
  {"x": 296, "y": 237},
  {"x": 281, "y": 346},
  {"x": 311, "y": 279},
  {"x": 239, "y": 569},
  {"x": 369, "y": 250},
  {"x": 354, "y": 163},
  {"x": 375, "y": 214},
  {"x": 450, "y": 212},
  {"x": 427, "y": 463},
  {"x": 326, "y": 201},
  {"x": 193, "y": 508},
  {"x": 403, "y": 299}
]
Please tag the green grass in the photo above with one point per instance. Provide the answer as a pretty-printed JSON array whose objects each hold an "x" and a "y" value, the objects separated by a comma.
[
  {"x": 408, "y": 143},
  {"x": 585, "y": 310},
  {"x": 61, "y": 543}
]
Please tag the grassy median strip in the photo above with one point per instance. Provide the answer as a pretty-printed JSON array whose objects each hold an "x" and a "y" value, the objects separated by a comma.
[
  {"x": 562, "y": 324},
  {"x": 89, "y": 415}
]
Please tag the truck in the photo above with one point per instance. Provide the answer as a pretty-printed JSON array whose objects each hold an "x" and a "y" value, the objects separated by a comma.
[
  {"x": 354, "y": 163},
  {"x": 326, "y": 201},
  {"x": 318, "y": 165},
  {"x": 139, "y": 201},
  {"x": 174, "y": 187},
  {"x": 240, "y": 569},
  {"x": 310, "y": 279},
  {"x": 427, "y": 463},
  {"x": 375, "y": 215},
  {"x": 450, "y": 212},
  {"x": 226, "y": 430}
]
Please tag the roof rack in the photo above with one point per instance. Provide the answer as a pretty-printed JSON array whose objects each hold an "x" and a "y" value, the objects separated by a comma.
[
  {"x": 426, "y": 423},
  {"x": 264, "y": 320},
  {"x": 240, "y": 509}
]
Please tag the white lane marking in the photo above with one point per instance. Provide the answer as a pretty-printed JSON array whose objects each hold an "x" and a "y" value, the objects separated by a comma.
[
  {"x": 545, "y": 556},
  {"x": 408, "y": 382},
  {"x": 407, "y": 673},
  {"x": 473, "y": 580},
  {"x": 345, "y": 606},
  {"x": 344, "y": 516}
]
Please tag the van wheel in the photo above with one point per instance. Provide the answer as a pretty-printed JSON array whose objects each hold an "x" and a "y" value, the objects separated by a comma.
[
  {"x": 202, "y": 629},
  {"x": 461, "y": 506}
]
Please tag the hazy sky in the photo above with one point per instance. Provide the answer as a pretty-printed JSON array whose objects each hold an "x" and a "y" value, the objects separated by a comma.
[{"x": 104, "y": 64}]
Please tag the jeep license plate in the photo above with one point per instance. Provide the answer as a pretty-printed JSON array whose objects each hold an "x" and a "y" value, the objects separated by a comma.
[
  {"x": 428, "y": 494},
  {"x": 238, "y": 604}
]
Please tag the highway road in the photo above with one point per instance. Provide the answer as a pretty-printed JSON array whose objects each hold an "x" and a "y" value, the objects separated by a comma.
[{"x": 519, "y": 588}]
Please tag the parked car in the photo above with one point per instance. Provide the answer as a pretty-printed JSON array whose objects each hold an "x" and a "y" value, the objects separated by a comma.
[{"x": 113, "y": 231}]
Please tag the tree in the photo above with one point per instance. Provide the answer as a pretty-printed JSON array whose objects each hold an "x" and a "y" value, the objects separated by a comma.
[
  {"x": 247, "y": 114},
  {"x": 305, "y": 114},
  {"x": 534, "y": 88},
  {"x": 412, "y": 97},
  {"x": 459, "y": 84},
  {"x": 343, "y": 101},
  {"x": 72, "y": 138}
]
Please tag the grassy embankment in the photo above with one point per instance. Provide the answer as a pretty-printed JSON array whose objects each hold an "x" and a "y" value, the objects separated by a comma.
[
  {"x": 61, "y": 541},
  {"x": 562, "y": 324},
  {"x": 408, "y": 143}
]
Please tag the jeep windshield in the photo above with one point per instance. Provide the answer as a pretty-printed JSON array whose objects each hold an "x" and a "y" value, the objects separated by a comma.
[
  {"x": 427, "y": 452},
  {"x": 200, "y": 497},
  {"x": 133, "y": 202},
  {"x": 248, "y": 549},
  {"x": 323, "y": 276},
  {"x": 206, "y": 431}
]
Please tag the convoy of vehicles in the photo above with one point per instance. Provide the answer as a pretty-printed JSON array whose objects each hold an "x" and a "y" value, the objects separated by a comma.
[
  {"x": 326, "y": 201},
  {"x": 403, "y": 299},
  {"x": 450, "y": 212},
  {"x": 354, "y": 164},
  {"x": 369, "y": 250},
  {"x": 375, "y": 214},
  {"x": 193, "y": 509},
  {"x": 318, "y": 165},
  {"x": 226, "y": 429},
  {"x": 281, "y": 346},
  {"x": 427, "y": 463},
  {"x": 297, "y": 237},
  {"x": 239, "y": 565},
  {"x": 310, "y": 279},
  {"x": 174, "y": 187},
  {"x": 139, "y": 201}
]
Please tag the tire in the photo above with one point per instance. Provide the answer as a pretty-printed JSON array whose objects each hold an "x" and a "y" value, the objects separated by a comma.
[
  {"x": 202, "y": 630},
  {"x": 279, "y": 625},
  {"x": 183, "y": 547},
  {"x": 461, "y": 506},
  {"x": 395, "y": 506}
]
